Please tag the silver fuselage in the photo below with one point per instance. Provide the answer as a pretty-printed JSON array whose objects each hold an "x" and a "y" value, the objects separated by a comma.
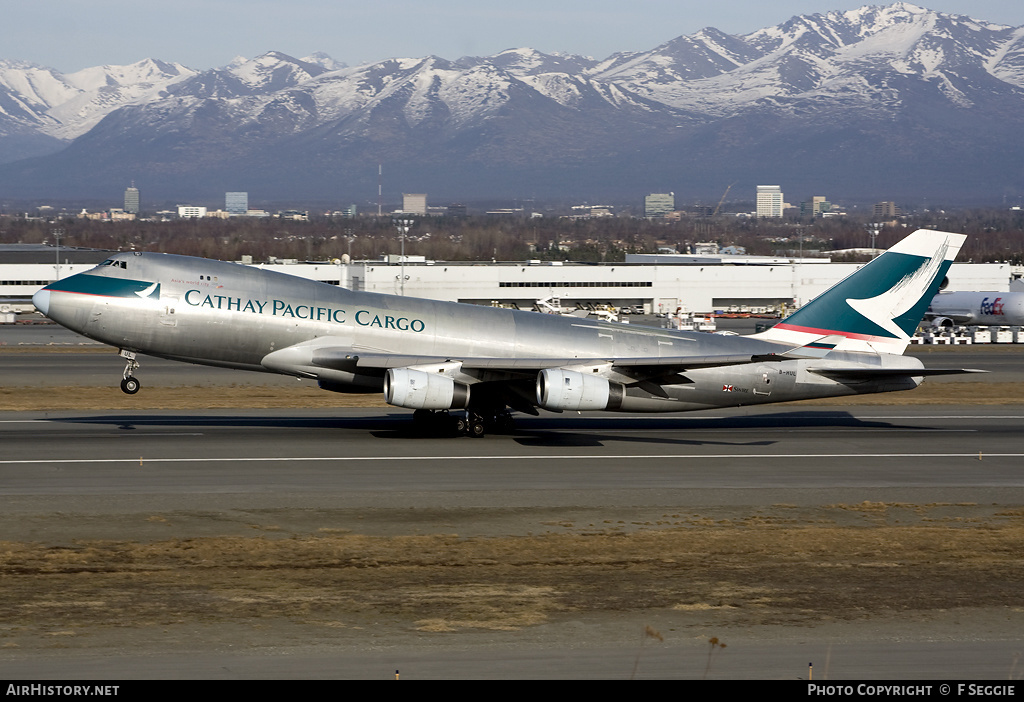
[{"x": 224, "y": 314}]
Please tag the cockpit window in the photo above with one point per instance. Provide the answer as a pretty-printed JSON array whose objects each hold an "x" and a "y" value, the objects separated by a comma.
[{"x": 116, "y": 263}]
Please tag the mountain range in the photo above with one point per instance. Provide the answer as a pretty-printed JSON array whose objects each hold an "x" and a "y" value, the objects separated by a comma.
[{"x": 875, "y": 103}]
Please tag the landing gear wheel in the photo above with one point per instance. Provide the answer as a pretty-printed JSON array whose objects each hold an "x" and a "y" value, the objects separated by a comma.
[
  {"x": 476, "y": 428},
  {"x": 130, "y": 385}
]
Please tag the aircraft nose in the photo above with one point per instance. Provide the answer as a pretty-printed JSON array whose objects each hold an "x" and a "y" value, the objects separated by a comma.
[{"x": 42, "y": 300}]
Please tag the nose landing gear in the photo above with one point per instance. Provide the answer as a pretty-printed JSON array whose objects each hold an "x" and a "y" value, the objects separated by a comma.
[{"x": 129, "y": 383}]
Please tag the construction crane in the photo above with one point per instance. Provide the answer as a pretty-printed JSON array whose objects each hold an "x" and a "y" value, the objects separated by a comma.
[{"x": 724, "y": 195}]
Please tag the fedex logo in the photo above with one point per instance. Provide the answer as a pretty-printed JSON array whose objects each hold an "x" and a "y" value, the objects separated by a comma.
[{"x": 993, "y": 308}]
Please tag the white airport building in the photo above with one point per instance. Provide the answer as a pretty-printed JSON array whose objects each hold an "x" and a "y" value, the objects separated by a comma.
[
  {"x": 656, "y": 288},
  {"x": 660, "y": 284}
]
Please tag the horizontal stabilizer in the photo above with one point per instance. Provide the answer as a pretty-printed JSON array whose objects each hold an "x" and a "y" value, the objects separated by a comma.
[
  {"x": 865, "y": 374},
  {"x": 818, "y": 348}
]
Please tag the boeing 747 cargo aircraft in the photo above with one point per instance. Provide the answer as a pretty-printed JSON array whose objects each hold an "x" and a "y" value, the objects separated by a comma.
[{"x": 436, "y": 357}]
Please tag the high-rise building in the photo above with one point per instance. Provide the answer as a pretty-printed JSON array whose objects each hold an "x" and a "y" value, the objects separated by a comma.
[
  {"x": 886, "y": 209},
  {"x": 769, "y": 201},
  {"x": 131, "y": 199},
  {"x": 415, "y": 203},
  {"x": 659, "y": 204},
  {"x": 817, "y": 206},
  {"x": 191, "y": 212},
  {"x": 236, "y": 203}
]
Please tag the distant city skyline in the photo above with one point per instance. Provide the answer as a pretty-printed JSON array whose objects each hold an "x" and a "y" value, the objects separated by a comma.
[{"x": 70, "y": 35}]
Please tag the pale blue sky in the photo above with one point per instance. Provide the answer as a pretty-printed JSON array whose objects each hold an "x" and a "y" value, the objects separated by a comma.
[{"x": 72, "y": 34}]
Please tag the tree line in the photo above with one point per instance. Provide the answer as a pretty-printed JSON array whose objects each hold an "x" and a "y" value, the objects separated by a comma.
[{"x": 993, "y": 236}]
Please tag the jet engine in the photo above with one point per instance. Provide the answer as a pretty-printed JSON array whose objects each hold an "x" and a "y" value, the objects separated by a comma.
[
  {"x": 560, "y": 389},
  {"x": 941, "y": 322},
  {"x": 416, "y": 389}
]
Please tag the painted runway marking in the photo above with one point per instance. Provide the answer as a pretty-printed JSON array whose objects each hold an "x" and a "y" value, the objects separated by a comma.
[
  {"x": 547, "y": 457},
  {"x": 776, "y": 430},
  {"x": 130, "y": 433}
]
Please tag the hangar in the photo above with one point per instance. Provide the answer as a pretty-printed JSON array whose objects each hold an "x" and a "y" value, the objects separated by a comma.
[{"x": 655, "y": 288}]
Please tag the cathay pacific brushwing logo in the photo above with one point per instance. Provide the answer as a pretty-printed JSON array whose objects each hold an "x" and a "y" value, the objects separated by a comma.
[
  {"x": 886, "y": 308},
  {"x": 155, "y": 287},
  {"x": 104, "y": 286}
]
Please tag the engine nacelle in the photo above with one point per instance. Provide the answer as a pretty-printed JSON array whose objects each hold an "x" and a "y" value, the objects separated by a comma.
[
  {"x": 942, "y": 323},
  {"x": 559, "y": 389},
  {"x": 416, "y": 389}
]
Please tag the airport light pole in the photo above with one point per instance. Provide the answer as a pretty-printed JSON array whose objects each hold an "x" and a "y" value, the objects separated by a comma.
[
  {"x": 873, "y": 229},
  {"x": 403, "y": 229},
  {"x": 56, "y": 237}
]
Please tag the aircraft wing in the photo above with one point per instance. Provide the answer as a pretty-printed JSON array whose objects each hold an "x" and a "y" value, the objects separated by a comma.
[
  {"x": 310, "y": 359},
  {"x": 625, "y": 370}
]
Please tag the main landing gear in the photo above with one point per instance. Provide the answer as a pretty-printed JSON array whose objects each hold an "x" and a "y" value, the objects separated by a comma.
[
  {"x": 129, "y": 383},
  {"x": 472, "y": 424}
]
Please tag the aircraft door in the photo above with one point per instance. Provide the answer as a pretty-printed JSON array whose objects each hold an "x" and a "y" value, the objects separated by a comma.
[
  {"x": 168, "y": 305},
  {"x": 764, "y": 378}
]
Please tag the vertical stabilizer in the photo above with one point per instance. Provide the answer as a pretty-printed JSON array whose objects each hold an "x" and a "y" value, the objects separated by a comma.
[{"x": 878, "y": 307}]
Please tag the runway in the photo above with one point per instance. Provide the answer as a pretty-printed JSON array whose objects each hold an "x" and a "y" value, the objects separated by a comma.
[
  {"x": 342, "y": 452},
  {"x": 97, "y": 464},
  {"x": 146, "y": 476}
]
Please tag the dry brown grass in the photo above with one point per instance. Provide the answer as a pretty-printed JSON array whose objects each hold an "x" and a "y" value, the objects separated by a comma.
[
  {"x": 194, "y": 398},
  {"x": 756, "y": 572},
  {"x": 306, "y": 397}
]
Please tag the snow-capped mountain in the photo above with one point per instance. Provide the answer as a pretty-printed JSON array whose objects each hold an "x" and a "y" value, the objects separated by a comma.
[
  {"x": 879, "y": 100},
  {"x": 65, "y": 106}
]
